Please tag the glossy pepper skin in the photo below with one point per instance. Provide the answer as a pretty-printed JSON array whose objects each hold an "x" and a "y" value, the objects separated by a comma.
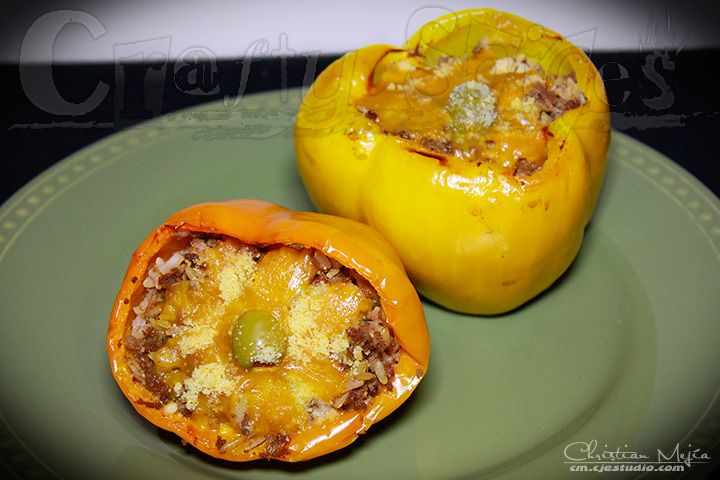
[
  {"x": 354, "y": 245},
  {"x": 472, "y": 239}
]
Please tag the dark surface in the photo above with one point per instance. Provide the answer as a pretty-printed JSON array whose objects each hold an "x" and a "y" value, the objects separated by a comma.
[{"x": 667, "y": 100}]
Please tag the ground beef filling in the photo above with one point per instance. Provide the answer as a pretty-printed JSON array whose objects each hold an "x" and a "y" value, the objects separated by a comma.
[
  {"x": 338, "y": 352},
  {"x": 485, "y": 107}
]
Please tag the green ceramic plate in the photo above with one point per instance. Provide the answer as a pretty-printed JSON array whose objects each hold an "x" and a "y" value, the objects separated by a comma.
[{"x": 624, "y": 349}]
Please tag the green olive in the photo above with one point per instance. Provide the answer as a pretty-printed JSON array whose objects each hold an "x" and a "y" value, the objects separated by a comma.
[{"x": 258, "y": 338}]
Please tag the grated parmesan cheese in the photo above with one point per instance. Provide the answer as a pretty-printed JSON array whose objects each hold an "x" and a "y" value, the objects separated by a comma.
[
  {"x": 337, "y": 345},
  {"x": 195, "y": 338},
  {"x": 306, "y": 338},
  {"x": 209, "y": 380},
  {"x": 233, "y": 277}
]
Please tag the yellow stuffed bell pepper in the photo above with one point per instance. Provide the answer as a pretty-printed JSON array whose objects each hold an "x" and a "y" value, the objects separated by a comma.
[{"x": 478, "y": 149}]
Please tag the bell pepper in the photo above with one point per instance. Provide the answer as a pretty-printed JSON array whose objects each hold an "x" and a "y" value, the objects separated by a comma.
[
  {"x": 470, "y": 148},
  {"x": 289, "y": 239}
]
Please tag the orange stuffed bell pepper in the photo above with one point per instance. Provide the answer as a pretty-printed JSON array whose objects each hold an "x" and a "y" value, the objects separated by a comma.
[
  {"x": 252, "y": 331},
  {"x": 478, "y": 149}
]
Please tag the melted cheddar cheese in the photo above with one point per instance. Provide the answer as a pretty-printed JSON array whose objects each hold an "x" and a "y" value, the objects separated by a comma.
[
  {"x": 485, "y": 107},
  {"x": 180, "y": 341}
]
